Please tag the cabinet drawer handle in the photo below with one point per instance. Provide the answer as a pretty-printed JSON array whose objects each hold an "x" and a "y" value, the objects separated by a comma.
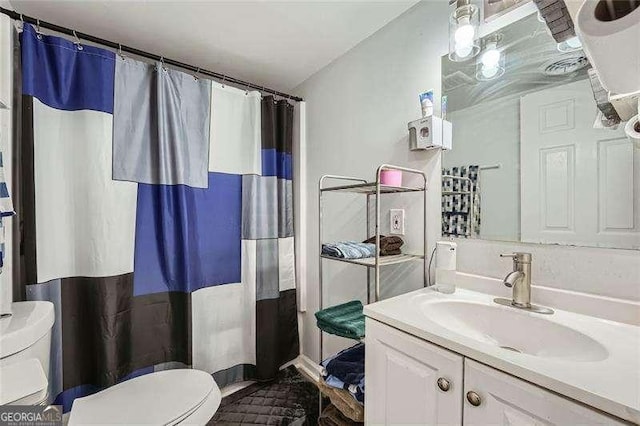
[
  {"x": 474, "y": 398},
  {"x": 444, "y": 384}
]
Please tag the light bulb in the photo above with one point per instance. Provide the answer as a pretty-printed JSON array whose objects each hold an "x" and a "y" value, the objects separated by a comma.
[
  {"x": 491, "y": 58},
  {"x": 463, "y": 51},
  {"x": 574, "y": 42},
  {"x": 464, "y": 35},
  {"x": 463, "y": 32},
  {"x": 570, "y": 45},
  {"x": 489, "y": 72}
]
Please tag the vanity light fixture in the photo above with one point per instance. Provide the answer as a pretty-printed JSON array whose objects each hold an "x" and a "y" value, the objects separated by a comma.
[
  {"x": 570, "y": 45},
  {"x": 463, "y": 31},
  {"x": 491, "y": 63}
]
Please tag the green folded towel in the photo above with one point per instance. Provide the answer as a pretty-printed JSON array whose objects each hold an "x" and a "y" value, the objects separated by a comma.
[{"x": 345, "y": 320}]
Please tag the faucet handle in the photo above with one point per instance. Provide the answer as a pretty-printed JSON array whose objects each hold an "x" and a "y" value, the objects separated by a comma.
[{"x": 518, "y": 257}]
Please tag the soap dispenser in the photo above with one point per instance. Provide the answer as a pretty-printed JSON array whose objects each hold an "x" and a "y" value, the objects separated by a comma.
[{"x": 446, "y": 266}]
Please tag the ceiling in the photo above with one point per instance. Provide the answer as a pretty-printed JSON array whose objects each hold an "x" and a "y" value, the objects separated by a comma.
[
  {"x": 275, "y": 44},
  {"x": 532, "y": 62}
]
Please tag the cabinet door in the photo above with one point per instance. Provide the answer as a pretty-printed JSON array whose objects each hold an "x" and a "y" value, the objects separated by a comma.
[
  {"x": 402, "y": 375},
  {"x": 506, "y": 400}
]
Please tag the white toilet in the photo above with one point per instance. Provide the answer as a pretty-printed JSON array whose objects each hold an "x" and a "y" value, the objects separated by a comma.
[
  {"x": 187, "y": 397},
  {"x": 25, "y": 347}
]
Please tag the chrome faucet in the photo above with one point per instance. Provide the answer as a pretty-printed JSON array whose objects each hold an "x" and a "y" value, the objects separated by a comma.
[{"x": 520, "y": 281}]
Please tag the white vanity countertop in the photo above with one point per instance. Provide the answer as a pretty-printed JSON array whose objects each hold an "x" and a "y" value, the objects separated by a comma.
[{"x": 611, "y": 385}]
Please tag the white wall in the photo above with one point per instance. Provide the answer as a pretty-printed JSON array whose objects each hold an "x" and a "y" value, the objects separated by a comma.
[
  {"x": 604, "y": 272},
  {"x": 357, "y": 112},
  {"x": 489, "y": 134}
]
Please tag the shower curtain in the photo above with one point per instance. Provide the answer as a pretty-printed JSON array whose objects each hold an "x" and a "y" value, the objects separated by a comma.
[
  {"x": 156, "y": 214},
  {"x": 461, "y": 202}
]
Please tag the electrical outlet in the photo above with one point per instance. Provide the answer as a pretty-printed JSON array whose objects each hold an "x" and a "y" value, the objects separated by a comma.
[{"x": 396, "y": 224}]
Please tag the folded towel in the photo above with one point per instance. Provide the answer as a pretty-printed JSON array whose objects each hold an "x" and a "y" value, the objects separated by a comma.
[
  {"x": 356, "y": 391},
  {"x": 351, "y": 409},
  {"x": 347, "y": 365},
  {"x": 345, "y": 370},
  {"x": 349, "y": 250},
  {"x": 390, "y": 252},
  {"x": 388, "y": 245},
  {"x": 332, "y": 416},
  {"x": 345, "y": 320}
]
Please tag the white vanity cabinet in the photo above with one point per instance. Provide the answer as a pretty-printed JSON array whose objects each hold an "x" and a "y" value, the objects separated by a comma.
[
  {"x": 412, "y": 381},
  {"x": 494, "y": 397}
]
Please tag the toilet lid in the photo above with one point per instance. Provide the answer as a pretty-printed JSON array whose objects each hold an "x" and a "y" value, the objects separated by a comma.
[{"x": 164, "y": 397}]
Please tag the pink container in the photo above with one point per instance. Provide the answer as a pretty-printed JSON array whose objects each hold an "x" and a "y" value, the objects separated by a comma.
[{"x": 391, "y": 177}]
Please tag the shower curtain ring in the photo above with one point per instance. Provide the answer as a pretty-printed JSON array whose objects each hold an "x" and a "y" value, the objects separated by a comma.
[
  {"x": 38, "y": 34},
  {"x": 195, "y": 76},
  {"x": 120, "y": 53},
  {"x": 77, "y": 42},
  {"x": 224, "y": 77},
  {"x": 162, "y": 64}
]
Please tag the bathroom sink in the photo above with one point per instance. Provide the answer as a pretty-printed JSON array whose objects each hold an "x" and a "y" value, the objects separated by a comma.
[{"x": 514, "y": 330}]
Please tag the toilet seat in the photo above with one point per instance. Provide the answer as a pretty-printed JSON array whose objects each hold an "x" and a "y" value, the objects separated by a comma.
[{"x": 162, "y": 398}]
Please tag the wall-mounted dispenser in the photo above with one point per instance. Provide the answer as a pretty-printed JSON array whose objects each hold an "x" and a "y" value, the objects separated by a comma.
[{"x": 429, "y": 133}]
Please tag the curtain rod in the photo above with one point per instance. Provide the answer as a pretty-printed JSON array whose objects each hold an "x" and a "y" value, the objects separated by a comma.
[{"x": 120, "y": 47}]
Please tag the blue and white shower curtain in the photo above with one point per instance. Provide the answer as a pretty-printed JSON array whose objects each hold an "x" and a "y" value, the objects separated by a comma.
[{"x": 156, "y": 214}]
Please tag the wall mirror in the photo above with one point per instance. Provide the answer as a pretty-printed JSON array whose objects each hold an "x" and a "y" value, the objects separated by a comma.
[
  {"x": 527, "y": 163},
  {"x": 493, "y": 9}
]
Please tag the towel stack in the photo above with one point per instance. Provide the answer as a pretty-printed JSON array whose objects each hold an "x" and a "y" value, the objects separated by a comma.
[
  {"x": 388, "y": 245},
  {"x": 345, "y": 320},
  {"x": 349, "y": 250},
  {"x": 345, "y": 370}
]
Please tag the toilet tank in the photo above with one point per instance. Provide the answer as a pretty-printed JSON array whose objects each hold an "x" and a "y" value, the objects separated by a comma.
[{"x": 26, "y": 334}]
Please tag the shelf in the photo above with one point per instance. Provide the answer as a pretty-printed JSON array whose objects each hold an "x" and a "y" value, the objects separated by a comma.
[
  {"x": 370, "y": 189},
  {"x": 360, "y": 340},
  {"x": 384, "y": 260},
  {"x": 343, "y": 401}
]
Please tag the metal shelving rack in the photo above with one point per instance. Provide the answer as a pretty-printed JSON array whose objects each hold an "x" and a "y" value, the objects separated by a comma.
[{"x": 371, "y": 190}]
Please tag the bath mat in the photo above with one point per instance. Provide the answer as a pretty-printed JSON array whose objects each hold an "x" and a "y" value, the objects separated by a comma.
[{"x": 288, "y": 400}]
